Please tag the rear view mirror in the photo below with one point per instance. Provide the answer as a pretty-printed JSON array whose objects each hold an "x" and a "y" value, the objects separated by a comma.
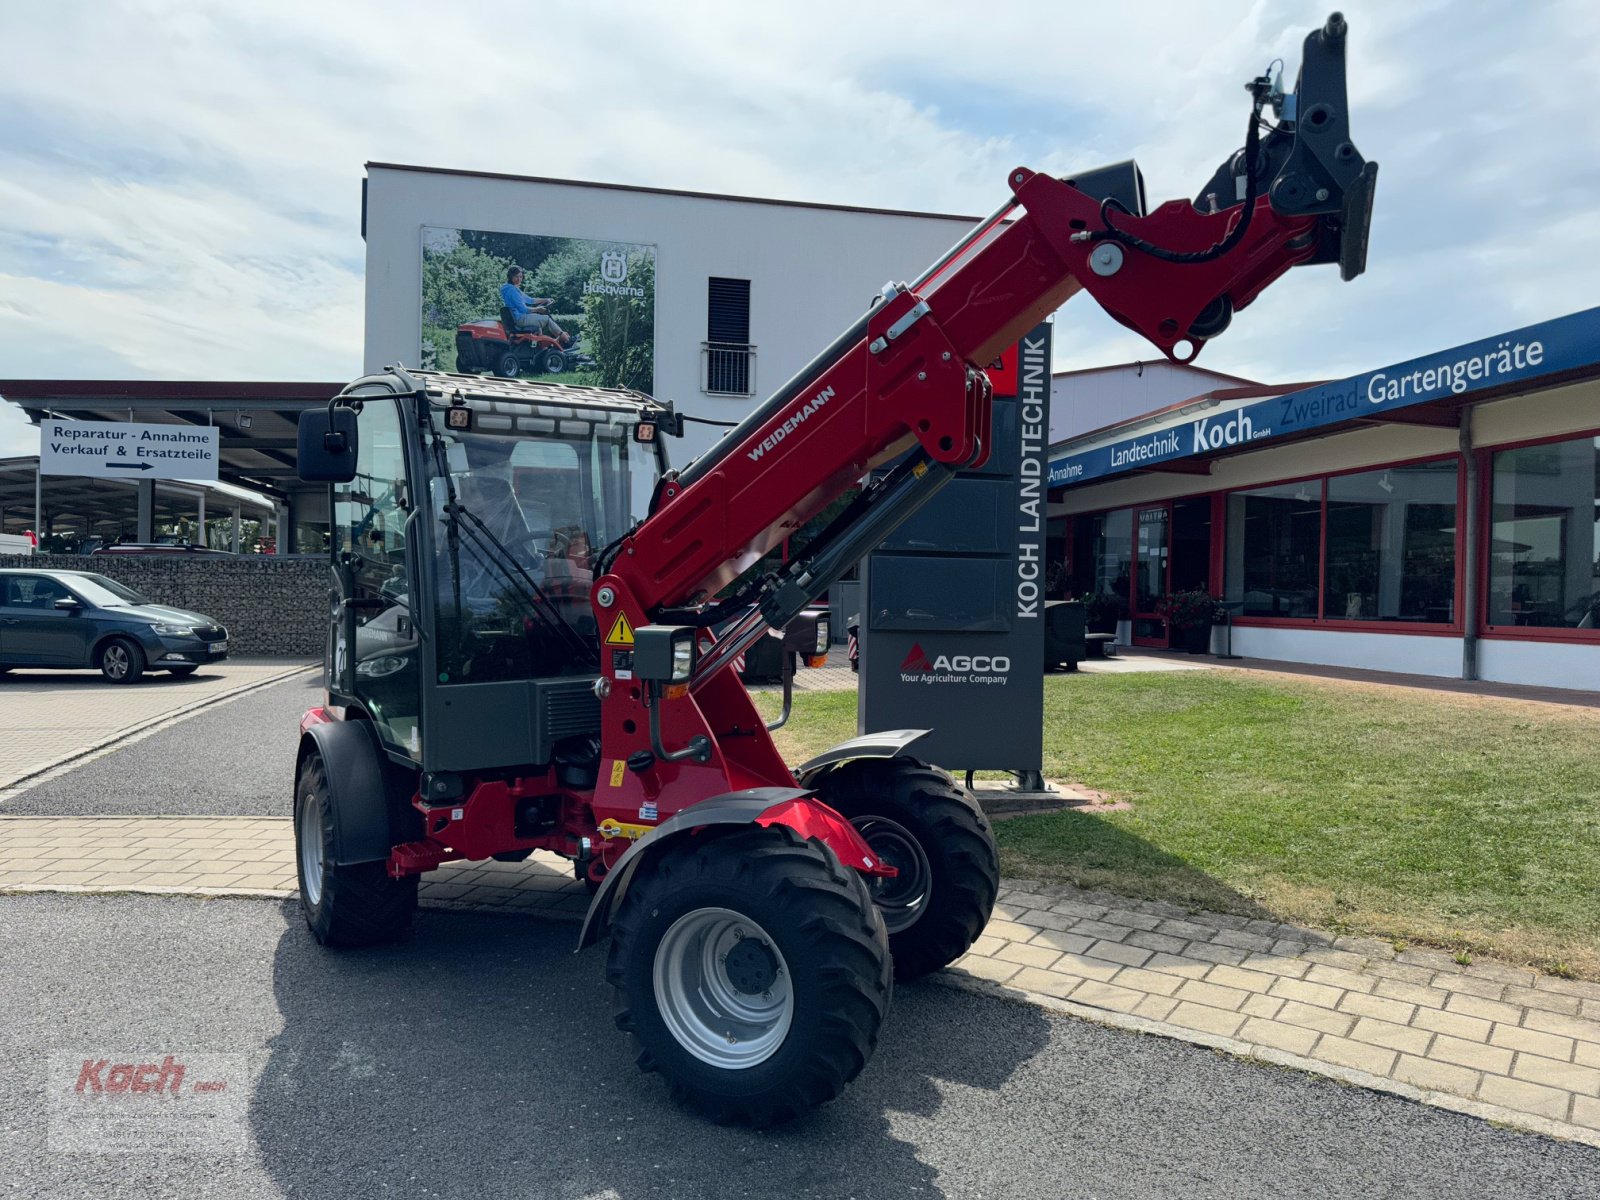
[{"x": 327, "y": 445}]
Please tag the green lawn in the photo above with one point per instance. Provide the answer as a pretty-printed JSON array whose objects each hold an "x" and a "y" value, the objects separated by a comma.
[{"x": 1458, "y": 821}]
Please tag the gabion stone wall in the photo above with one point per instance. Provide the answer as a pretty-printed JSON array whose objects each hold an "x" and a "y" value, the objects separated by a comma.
[{"x": 272, "y": 607}]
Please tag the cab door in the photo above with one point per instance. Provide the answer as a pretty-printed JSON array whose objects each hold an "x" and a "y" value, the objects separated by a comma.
[{"x": 373, "y": 643}]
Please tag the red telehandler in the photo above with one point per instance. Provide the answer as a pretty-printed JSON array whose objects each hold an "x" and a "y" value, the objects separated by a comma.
[{"x": 533, "y": 621}]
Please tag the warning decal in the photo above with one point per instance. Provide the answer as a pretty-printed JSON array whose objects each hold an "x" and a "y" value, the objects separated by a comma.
[{"x": 621, "y": 632}]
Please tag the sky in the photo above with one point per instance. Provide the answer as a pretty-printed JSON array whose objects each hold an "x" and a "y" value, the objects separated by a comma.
[{"x": 180, "y": 182}]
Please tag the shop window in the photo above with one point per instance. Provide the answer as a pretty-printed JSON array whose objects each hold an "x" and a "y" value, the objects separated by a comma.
[
  {"x": 1391, "y": 545},
  {"x": 1274, "y": 543},
  {"x": 1544, "y": 536}
]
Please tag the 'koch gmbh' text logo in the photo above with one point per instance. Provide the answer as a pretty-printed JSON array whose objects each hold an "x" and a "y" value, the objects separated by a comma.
[
  {"x": 917, "y": 667},
  {"x": 614, "y": 266}
]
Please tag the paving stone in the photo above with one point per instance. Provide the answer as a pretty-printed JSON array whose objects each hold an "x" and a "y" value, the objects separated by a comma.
[
  {"x": 1532, "y": 997},
  {"x": 1076, "y": 909},
  {"x": 1157, "y": 1008},
  {"x": 1148, "y": 981},
  {"x": 1265, "y": 1007},
  {"x": 1207, "y": 1020},
  {"x": 1309, "y": 1016},
  {"x": 1188, "y": 930},
  {"x": 1586, "y": 1053},
  {"x": 1010, "y": 930},
  {"x": 1240, "y": 940},
  {"x": 1238, "y": 977},
  {"x": 1502, "y": 972},
  {"x": 1525, "y": 1097},
  {"x": 1411, "y": 993},
  {"x": 1421, "y": 976},
  {"x": 1131, "y": 920},
  {"x": 1567, "y": 1076},
  {"x": 1129, "y": 956},
  {"x": 1319, "y": 994},
  {"x": 1329, "y": 957},
  {"x": 1171, "y": 964},
  {"x": 1547, "y": 1045},
  {"x": 1025, "y": 900},
  {"x": 1586, "y": 1112},
  {"x": 1099, "y": 929},
  {"x": 1276, "y": 964},
  {"x": 1272, "y": 930},
  {"x": 1392, "y": 1036},
  {"x": 1350, "y": 981},
  {"x": 1085, "y": 968},
  {"x": 1219, "y": 920},
  {"x": 1230, "y": 955},
  {"x": 1368, "y": 947},
  {"x": 1363, "y": 1057},
  {"x": 1436, "y": 1076},
  {"x": 1457, "y": 1025},
  {"x": 1027, "y": 956},
  {"x": 1107, "y": 995},
  {"x": 1044, "y": 919},
  {"x": 1469, "y": 985},
  {"x": 987, "y": 968},
  {"x": 1162, "y": 942},
  {"x": 1161, "y": 908},
  {"x": 1281, "y": 1037},
  {"x": 1069, "y": 942},
  {"x": 1572, "y": 1027},
  {"x": 1489, "y": 1010},
  {"x": 985, "y": 945},
  {"x": 1470, "y": 1054},
  {"x": 1581, "y": 988},
  {"x": 1437, "y": 959},
  {"x": 1212, "y": 994},
  {"x": 1047, "y": 982},
  {"x": 1396, "y": 1011}
]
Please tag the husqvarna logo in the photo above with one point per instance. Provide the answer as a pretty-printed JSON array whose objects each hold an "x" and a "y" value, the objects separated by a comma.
[
  {"x": 613, "y": 266},
  {"x": 917, "y": 667}
]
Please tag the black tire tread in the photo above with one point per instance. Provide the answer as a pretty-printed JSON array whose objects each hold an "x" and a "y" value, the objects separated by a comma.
[
  {"x": 956, "y": 837},
  {"x": 843, "y": 926},
  {"x": 362, "y": 905}
]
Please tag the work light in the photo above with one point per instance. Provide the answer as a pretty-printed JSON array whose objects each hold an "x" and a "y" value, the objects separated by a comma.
[{"x": 665, "y": 653}]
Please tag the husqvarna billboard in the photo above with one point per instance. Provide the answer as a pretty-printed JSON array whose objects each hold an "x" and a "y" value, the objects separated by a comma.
[
  {"x": 952, "y": 621},
  {"x": 531, "y": 306}
]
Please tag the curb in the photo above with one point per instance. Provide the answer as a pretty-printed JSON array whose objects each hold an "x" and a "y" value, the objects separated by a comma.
[
  {"x": 1128, "y": 1023},
  {"x": 133, "y": 733}
]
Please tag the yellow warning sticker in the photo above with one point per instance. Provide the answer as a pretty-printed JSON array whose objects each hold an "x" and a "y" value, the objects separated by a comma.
[
  {"x": 617, "y": 829},
  {"x": 616, "y": 773},
  {"x": 621, "y": 632}
]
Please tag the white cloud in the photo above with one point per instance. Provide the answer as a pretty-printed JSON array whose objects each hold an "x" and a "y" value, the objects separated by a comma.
[{"x": 179, "y": 182}]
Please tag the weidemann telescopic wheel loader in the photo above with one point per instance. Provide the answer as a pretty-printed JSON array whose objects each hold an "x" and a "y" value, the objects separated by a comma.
[{"x": 527, "y": 649}]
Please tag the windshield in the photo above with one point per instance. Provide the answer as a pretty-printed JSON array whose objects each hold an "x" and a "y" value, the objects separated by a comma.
[
  {"x": 105, "y": 593},
  {"x": 531, "y": 499}
]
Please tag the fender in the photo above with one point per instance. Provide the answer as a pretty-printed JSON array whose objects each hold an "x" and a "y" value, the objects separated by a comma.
[
  {"x": 793, "y": 807},
  {"x": 888, "y": 744},
  {"x": 362, "y": 787}
]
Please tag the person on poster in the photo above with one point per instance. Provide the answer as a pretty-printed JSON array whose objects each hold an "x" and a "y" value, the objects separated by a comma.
[{"x": 522, "y": 308}]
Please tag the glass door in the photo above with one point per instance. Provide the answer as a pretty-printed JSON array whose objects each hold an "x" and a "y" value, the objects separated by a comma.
[{"x": 1152, "y": 558}]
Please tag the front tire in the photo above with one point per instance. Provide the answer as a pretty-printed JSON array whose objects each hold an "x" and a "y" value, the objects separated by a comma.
[
  {"x": 920, "y": 821},
  {"x": 122, "y": 661},
  {"x": 358, "y": 904},
  {"x": 752, "y": 971}
]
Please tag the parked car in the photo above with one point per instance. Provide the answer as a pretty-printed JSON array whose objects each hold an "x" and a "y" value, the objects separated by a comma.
[
  {"x": 189, "y": 549},
  {"x": 77, "y": 619}
]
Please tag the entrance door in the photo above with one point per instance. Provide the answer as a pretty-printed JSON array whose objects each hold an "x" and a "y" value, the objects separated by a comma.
[{"x": 1151, "y": 561}]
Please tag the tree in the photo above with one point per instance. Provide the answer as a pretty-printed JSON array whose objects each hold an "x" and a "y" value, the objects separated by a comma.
[
  {"x": 459, "y": 285},
  {"x": 619, "y": 331}
]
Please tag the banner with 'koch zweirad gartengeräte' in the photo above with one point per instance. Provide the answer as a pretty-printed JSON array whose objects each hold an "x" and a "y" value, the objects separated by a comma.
[{"x": 1549, "y": 348}]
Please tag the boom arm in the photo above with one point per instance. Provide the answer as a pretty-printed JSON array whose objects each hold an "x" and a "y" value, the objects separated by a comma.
[{"x": 908, "y": 374}]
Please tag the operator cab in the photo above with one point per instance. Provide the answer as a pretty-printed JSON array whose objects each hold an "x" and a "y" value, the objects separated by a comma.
[{"x": 468, "y": 516}]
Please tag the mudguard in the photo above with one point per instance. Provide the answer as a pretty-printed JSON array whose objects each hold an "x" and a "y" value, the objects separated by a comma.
[
  {"x": 793, "y": 807},
  {"x": 358, "y": 787},
  {"x": 888, "y": 744}
]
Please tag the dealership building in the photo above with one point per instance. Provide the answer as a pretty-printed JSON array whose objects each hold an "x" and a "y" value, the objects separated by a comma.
[{"x": 1438, "y": 517}]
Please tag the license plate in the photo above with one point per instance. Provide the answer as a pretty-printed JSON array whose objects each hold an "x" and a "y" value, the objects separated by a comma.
[{"x": 219, "y": 647}]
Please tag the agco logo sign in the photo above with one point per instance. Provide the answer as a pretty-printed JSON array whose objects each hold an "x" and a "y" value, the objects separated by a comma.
[{"x": 986, "y": 669}]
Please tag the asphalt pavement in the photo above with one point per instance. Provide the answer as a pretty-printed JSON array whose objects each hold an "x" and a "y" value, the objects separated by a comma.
[
  {"x": 478, "y": 1059},
  {"x": 233, "y": 759}
]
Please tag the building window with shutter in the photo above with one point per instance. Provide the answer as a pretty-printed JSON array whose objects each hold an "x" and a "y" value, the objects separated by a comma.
[{"x": 727, "y": 359}]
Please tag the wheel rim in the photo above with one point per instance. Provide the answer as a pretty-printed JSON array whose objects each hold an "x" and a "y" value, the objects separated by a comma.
[
  {"x": 311, "y": 849},
  {"x": 116, "y": 661},
  {"x": 723, "y": 988},
  {"x": 903, "y": 899}
]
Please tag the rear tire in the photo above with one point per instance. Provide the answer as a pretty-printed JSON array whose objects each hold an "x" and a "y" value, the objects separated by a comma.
[
  {"x": 919, "y": 820},
  {"x": 355, "y": 905},
  {"x": 508, "y": 365},
  {"x": 759, "y": 931},
  {"x": 122, "y": 660}
]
